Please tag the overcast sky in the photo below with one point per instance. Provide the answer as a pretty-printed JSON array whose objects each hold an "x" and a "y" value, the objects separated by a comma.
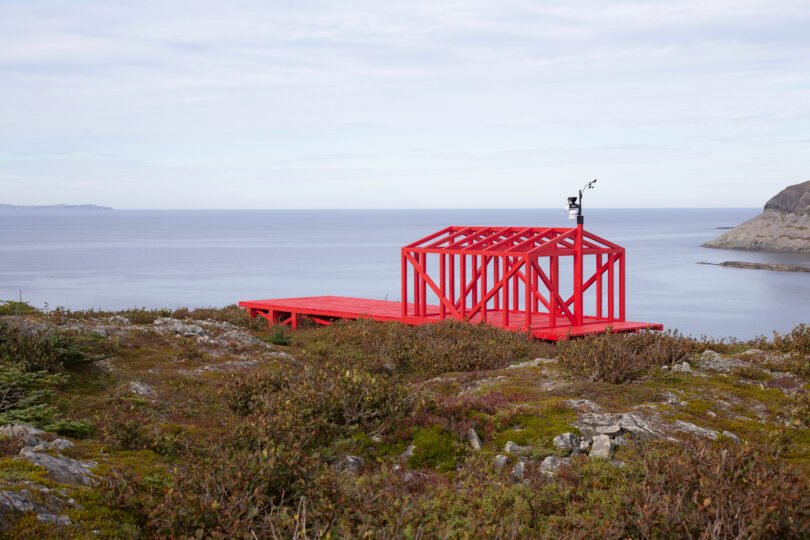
[{"x": 382, "y": 104}]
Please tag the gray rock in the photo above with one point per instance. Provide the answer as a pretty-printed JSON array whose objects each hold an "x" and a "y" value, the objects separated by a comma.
[
  {"x": 231, "y": 365},
  {"x": 24, "y": 432},
  {"x": 62, "y": 469},
  {"x": 583, "y": 405},
  {"x": 61, "y": 520},
  {"x": 350, "y": 464},
  {"x": 753, "y": 352},
  {"x": 19, "y": 501},
  {"x": 513, "y": 448},
  {"x": 730, "y": 435},
  {"x": 167, "y": 325},
  {"x": 610, "y": 431},
  {"x": 639, "y": 426},
  {"x": 689, "y": 427},
  {"x": 602, "y": 447},
  {"x": 518, "y": 471},
  {"x": 709, "y": 354},
  {"x": 141, "y": 389},
  {"x": 551, "y": 464},
  {"x": 472, "y": 438},
  {"x": 584, "y": 444},
  {"x": 682, "y": 367},
  {"x": 501, "y": 461},
  {"x": 619, "y": 440},
  {"x": 566, "y": 441},
  {"x": 532, "y": 363},
  {"x": 118, "y": 319},
  {"x": 62, "y": 444}
]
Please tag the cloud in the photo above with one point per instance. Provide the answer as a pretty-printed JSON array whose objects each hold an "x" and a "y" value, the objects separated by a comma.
[{"x": 344, "y": 92}]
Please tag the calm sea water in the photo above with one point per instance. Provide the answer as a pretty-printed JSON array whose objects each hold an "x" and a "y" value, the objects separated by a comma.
[{"x": 119, "y": 259}]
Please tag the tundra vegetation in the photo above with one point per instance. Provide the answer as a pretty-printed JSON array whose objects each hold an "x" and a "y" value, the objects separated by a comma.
[{"x": 203, "y": 423}]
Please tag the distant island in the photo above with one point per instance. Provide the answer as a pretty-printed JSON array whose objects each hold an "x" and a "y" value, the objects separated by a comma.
[
  {"x": 784, "y": 225},
  {"x": 54, "y": 207}
]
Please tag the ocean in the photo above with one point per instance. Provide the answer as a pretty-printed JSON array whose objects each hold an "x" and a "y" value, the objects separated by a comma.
[{"x": 118, "y": 259}]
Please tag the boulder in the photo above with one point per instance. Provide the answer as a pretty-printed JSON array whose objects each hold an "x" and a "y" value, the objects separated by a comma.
[
  {"x": 518, "y": 471},
  {"x": 602, "y": 447},
  {"x": 24, "y": 432},
  {"x": 566, "y": 441},
  {"x": 551, "y": 464},
  {"x": 611, "y": 430},
  {"x": 472, "y": 438},
  {"x": 500, "y": 461}
]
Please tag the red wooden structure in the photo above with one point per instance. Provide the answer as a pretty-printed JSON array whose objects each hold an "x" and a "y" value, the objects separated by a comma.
[{"x": 504, "y": 276}]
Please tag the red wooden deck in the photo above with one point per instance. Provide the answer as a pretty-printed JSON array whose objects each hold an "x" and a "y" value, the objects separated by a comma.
[{"x": 324, "y": 309}]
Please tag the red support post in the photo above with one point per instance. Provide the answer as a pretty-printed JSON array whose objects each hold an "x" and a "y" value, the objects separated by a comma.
[
  {"x": 506, "y": 293},
  {"x": 599, "y": 286},
  {"x": 554, "y": 277},
  {"x": 442, "y": 308},
  {"x": 404, "y": 277},
  {"x": 621, "y": 286},
  {"x": 528, "y": 301},
  {"x": 452, "y": 276},
  {"x": 611, "y": 293},
  {"x": 496, "y": 273},
  {"x": 463, "y": 285},
  {"x": 416, "y": 288},
  {"x": 423, "y": 292},
  {"x": 484, "y": 263},
  {"x": 579, "y": 308},
  {"x": 474, "y": 273}
]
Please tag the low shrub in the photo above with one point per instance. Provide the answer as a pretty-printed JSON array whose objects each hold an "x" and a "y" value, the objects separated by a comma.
[
  {"x": 25, "y": 395},
  {"x": 12, "y": 307},
  {"x": 703, "y": 491},
  {"x": 278, "y": 337},
  {"x": 51, "y": 350},
  {"x": 797, "y": 341},
  {"x": 426, "y": 350},
  {"x": 615, "y": 358}
]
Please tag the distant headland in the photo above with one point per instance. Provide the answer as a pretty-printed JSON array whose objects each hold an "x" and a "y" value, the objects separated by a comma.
[
  {"x": 784, "y": 225},
  {"x": 54, "y": 207}
]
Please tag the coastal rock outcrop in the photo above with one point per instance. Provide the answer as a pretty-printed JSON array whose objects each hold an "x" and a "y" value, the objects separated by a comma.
[{"x": 784, "y": 225}]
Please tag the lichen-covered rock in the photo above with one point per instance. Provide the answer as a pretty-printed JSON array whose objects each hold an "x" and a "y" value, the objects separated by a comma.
[
  {"x": 566, "y": 441},
  {"x": 518, "y": 471},
  {"x": 24, "y": 432},
  {"x": 601, "y": 447},
  {"x": 165, "y": 325},
  {"x": 141, "y": 389},
  {"x": 349, "y": 464},
  {"x": 689, "y": 427},
  {"x": 62, "y": 469},
  {"x": 551, "y": 464},
  {"x": 513, "y": 448},
  {"x": 472, "y": 438},
  {"x": 500, "y": 461}
]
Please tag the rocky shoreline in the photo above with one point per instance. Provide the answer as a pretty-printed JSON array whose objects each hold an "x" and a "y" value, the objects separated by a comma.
[
  {"x": 761, "y": 266},
  {"x": 784, "y": 225}
]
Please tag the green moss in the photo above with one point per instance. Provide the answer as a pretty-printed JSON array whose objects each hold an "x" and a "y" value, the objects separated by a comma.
[
  {"x": 436, "y": 448},
  {"x": 18, "y": 470},
  {"x": 537, "y": 429}
]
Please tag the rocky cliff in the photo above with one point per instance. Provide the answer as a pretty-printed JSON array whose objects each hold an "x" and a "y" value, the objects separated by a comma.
[{"x": 784, "y": 225}]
